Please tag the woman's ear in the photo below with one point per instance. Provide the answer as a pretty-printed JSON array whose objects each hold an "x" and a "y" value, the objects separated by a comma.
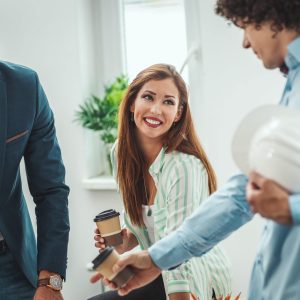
[
  {"x": 132, "y": 107},
  {"x": 178, "y": 114}
]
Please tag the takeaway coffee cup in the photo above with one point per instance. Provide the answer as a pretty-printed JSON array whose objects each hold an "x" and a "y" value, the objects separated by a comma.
[
  {"x": 108, "y": 223},
  {"x": 103, "y": 264}
]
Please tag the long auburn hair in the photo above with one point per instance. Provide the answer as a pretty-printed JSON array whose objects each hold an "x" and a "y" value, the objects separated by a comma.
[{"x": 182, "y": 137}]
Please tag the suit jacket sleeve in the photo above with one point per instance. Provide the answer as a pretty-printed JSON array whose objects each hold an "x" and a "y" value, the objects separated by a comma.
[{"x": 46, "y": 175}]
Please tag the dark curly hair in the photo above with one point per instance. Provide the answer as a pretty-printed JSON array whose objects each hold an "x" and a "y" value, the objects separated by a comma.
[{"x": 281, "y": 13}]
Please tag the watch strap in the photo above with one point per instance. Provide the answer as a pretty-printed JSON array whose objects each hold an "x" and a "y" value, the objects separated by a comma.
[
  {"x": 43, "y": 282},
  {"x": 46, "y": 282}
]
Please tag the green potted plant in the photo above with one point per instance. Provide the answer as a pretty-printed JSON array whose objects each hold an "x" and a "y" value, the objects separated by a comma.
[{"x": 101, "y": 114}]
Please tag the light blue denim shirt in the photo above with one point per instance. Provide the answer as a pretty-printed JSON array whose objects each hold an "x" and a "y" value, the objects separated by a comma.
[{"x": 276, "y": 271}]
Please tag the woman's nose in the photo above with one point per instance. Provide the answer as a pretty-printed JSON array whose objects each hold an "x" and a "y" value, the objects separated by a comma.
[{"x": 156, "y": 109}]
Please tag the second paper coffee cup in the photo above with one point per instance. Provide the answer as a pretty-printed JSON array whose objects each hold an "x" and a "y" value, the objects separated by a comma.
[
  {"x": 108, "y": 223},
  {"x": 103, "y": 264}
]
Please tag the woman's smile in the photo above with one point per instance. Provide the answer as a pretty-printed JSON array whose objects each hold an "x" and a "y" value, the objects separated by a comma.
[{"x": 152, "y": 122}]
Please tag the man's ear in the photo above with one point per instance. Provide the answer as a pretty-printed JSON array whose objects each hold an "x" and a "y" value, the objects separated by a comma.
[{"x": 179, "y": 113}]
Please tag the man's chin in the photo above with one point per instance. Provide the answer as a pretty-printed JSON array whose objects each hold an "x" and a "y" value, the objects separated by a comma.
[{"x": 270, "y": 66}]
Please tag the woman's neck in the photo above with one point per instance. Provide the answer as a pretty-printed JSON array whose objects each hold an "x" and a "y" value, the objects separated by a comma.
[
  {"x": 151, "y": 151},
  {"x": 150, "y": 148}
]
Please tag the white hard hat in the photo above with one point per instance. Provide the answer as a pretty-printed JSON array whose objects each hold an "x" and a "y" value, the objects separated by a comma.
[{"x": 268, "y": 142}]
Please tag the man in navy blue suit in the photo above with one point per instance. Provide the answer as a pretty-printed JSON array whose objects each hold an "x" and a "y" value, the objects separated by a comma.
[{"x": 30, "y": 270}]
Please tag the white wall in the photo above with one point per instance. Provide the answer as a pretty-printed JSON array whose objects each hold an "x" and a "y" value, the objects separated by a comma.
[{"x": 57, "y": 39}]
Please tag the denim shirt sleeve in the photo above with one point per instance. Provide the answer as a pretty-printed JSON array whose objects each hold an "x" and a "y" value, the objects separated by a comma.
[
  {"x": 222, "y": 213},
  {"x": 294, "y": 201}
]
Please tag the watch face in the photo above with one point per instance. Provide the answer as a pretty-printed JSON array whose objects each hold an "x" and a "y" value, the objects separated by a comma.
[{"x": 56, "y": 282}]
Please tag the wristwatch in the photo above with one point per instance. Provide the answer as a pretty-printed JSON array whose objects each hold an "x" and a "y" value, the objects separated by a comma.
[{"x": 54, "y": 282}]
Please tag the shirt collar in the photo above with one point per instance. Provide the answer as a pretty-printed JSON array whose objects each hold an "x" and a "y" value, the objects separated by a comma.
[
  {"x": 292, "y": 60},
  {"x": 158, "y": 163}
]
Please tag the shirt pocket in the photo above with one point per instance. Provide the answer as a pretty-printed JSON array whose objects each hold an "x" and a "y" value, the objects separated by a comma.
[
  {"x": 17, "y": 141},
  {"x": 16, "y": 138}
]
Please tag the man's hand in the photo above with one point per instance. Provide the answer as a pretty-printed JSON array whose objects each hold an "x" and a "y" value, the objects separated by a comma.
[
  {"x": 268, "y": 199},
  {"x": 46, "y": 293},
  {"x": 143, "y": 267}
]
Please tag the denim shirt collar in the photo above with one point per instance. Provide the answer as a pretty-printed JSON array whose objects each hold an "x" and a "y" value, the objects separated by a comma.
[{"x": 292, "y": 60}]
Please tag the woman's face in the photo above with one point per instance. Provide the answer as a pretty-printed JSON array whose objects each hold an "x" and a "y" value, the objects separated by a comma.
[{"x": 155, "y": 108}]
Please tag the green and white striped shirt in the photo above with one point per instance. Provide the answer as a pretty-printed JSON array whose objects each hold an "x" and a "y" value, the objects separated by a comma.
[{"x": 182, "y": 184}]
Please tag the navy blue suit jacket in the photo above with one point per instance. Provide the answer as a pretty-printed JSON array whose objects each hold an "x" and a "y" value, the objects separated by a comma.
[{"x": 27, "y": 130}]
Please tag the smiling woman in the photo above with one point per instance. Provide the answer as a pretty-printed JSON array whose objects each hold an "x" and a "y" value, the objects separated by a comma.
[
  {"x": 156, "y": 106},
  {"x": 163, "y": 175}
]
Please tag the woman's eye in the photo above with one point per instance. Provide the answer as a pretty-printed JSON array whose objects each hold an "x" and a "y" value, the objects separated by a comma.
[
  {"x": 147, "y": 97},
  {"x": 169, "y": 102}
]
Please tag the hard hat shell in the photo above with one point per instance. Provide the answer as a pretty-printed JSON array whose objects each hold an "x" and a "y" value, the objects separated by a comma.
[{"x": 268, "y": 142}]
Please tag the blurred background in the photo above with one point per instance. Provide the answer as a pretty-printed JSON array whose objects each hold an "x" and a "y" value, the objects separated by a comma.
[{"x": 80, "y": 46}]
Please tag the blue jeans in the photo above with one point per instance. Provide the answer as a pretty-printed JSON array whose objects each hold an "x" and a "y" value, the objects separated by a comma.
[{"x": 13, "y": 283}]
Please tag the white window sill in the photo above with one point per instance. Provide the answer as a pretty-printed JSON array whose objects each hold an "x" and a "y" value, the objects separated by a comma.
[{"x": 105, "y": 183}]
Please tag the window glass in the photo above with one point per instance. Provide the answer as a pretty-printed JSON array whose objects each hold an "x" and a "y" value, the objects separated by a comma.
[{"x": 154, "y": 32}]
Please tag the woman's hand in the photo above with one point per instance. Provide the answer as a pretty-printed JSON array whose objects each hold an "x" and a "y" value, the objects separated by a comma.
[
  {"x": 129, "y": 241},
  {"x": 100, "y": 243},
  {"x": 180, "y": 296}
]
